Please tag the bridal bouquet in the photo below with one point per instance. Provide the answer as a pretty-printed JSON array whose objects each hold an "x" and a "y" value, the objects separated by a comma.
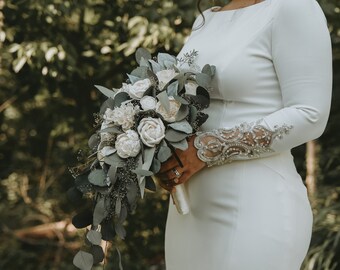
[{"x": 138, "y": 127}]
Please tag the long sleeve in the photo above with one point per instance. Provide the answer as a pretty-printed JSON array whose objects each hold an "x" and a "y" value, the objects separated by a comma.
[{"x": 302, "y": 58}]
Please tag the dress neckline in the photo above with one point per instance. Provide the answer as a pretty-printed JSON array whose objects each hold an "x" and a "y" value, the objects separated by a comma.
[{"x": 237, "y": 9}]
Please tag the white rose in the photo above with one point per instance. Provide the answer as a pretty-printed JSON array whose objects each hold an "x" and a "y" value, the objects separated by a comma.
[
  {"x": 151, "y": 131},
  {"x": 137, "y": 90},
  {"x": 148, "y": 103},
  {"x": 128, "y": 144},
  {"x": 165, "y": 76},
  {"x": 174, "y": 107},
  {"x": 190, "y": 88}
]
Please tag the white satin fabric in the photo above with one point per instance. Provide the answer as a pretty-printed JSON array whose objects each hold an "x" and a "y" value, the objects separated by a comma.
[{"x": 274, "y": 62}]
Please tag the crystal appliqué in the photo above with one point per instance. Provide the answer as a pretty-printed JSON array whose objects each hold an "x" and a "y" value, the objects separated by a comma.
[{"x": 245, "y": 141}]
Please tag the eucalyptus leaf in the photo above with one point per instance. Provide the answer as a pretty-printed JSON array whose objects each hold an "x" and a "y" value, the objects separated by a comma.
[
  {"x": 140, "y": 72},
  {"x": 144, "y": 63},
  {"x": 83, "y": 260},
  {"x": 164, "y": 100},
  {"x": 182, "y": 145},
  {"x": 192, "y": 114},
  {"x": 182, "y": 126},
  {"x": 142, "y": 186},
  {"x": 142, "y": 172},
  {"x": 165, "y": 57},
  {"x": 142, "y": 53},
  {"x": 120, "y": 97},
  {"x": 150, "y": 184},
  {"x": 182, "y": 100},
  {"x": 107, "y": 92},
  {"x": 97, "y": 253},
  {"x": 114, "y": 160},
  {"x": 155, "y": 166},
  {"x": 203, "y": 80},
  {"x": 164, "y": 154},
  {"x": 112, "y": 174},
  {"x": 97, "y": 177},
  {"x": 172, "y": 88},
  {"x": 202, "y": 91},
  {"x": 82, "y": 219},
  {"x": 99, "y": 212},
  {"x": 174, "y": 136},
  {"x": 81, "y": 181},
  {"x": 118, "y": 206},
  {"x": 120, "y": 230},
  {"x": 93, "y": 141},
  {"x": 94, "y": 237},
  {"x": 148, "y": 155},
  {"x": 109, "y": 103},
  {"x": 155, "y": 66},
  {"x": 112, "y": 129},
  {"x": 123, "y": 214},
  {"x": 131, "y": 194},
  {"x": 182, "y": 112},
  {"x": 133, "y": 78},
  {"x": 168, "y": 64},
  {"x": 207, "y": 70}
]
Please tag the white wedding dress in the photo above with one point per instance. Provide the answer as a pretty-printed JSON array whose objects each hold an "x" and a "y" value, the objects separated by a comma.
[{"x": 274, "y": 71}]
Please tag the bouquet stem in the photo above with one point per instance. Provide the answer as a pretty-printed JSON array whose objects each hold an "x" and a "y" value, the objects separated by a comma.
[{"x": 180, "y": 199}]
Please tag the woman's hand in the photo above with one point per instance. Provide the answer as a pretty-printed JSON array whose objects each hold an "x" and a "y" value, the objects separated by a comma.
[{"x": 172, "y": 173}]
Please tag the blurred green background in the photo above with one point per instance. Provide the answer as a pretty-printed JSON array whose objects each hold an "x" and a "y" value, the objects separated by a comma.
[{"x": 52, "y": 53}]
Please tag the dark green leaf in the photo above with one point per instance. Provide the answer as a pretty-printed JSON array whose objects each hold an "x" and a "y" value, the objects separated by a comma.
[
  {"x": 94, "y": 237},
  {"x": 118, "y": 206},
  {"x": 83, "y": 219},
  {"x": 142, "y": 53},
  {"x": 112, "y": 174},
  {"x": 123, "y": 214},
  {"x": 174, "y": 136},
  {"x": 97, "y": 253},
  {"x": 108, "y": 232},
  {"x": 99, "y": 212},
  {"x": 120, "y": 230},
  {"x": 97, "y": 177},
  {"x": 120, "y": 97},
  {"x": 150, "y": 184},
  {"x": 131, "y": 194},
  {"x": 83, "y": 260},
  {"x": 93, "y": 141},
  {"x": 109, "y": 103},
  {"x": 192, "y": 114},
  {"x": 74, "y": 195}
]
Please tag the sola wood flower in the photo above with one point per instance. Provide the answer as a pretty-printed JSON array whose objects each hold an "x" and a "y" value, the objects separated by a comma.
[
  {"x": 128, "y": 144},
  {"x": 151, "y": 131}
]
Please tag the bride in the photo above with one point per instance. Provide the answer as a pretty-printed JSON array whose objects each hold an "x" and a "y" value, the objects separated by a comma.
[{"x": 272, "y": 92}]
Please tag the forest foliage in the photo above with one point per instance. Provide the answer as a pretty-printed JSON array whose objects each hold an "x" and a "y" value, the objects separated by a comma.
[{"x": 53, "y": 52}]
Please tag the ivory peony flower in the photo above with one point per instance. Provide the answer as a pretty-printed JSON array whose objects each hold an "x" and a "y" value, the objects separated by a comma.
[
  {"x": 128, "y": 144},
  {"x": 148, "y": 103},
  {"x": 165, "y": 76},
  {"x": 151, "y": 131},
  {"x": 137, "y": 90},
  {"x": 123, "y": 115},
  {"x": 171, "y": 115}
]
